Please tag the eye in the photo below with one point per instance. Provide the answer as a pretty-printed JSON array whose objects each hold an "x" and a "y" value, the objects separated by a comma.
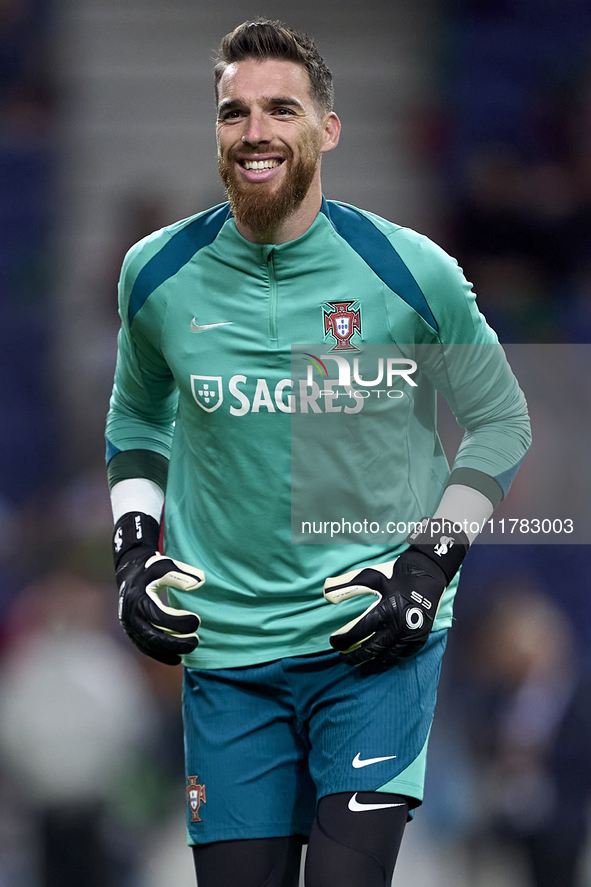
[
  {"x": 283, "y": 112},
  {"x": 235, "y": 114}
]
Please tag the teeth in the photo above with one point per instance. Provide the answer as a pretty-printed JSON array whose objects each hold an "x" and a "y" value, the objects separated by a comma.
[{"x": 261, "y": 164}]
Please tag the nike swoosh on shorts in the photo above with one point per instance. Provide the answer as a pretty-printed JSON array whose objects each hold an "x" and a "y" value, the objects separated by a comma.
[
  {"x": 358, "y": 762},
  {"x": 357, "y": 807}
]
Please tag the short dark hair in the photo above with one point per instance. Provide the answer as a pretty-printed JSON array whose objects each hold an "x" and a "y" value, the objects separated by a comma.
[{"x": 266, "y": 39}]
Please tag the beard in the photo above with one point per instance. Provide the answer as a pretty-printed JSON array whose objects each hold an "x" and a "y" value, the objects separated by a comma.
[{"x": 263, "y": 207}]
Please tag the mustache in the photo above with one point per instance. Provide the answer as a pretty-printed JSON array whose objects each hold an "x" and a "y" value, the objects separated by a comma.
[{"x": 235, "y": 153}]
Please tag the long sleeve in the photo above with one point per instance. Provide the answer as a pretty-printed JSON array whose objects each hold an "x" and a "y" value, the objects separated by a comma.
[{"x": 144, "y": 399}]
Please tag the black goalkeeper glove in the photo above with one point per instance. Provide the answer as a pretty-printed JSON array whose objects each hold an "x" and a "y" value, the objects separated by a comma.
[
  {"x": 159, "y": 631},
  {"x": 408, "y": 590}
]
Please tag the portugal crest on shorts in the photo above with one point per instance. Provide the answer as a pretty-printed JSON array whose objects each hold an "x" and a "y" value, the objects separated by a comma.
[
  {"x": 195, "y": 797},
  {"x": 341, "y": 322}
]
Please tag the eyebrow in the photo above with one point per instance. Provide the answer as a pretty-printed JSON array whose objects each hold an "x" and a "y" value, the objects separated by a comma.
[{"x": 232, "y": 104}]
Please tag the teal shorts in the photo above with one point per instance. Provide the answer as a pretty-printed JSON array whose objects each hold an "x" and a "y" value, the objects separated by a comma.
[{"x": 264, "y": 743}]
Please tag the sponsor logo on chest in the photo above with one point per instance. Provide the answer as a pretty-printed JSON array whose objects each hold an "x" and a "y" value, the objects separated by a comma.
[{"x": 347, "y": 392}]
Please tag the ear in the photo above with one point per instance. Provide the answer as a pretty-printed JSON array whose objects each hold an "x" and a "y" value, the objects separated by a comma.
[{"x": 331, "y": 131}]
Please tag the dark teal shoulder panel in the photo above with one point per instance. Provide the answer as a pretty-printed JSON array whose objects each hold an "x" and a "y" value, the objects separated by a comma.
[
  {"x": 505, "y": 479},
  {"x": 112, "y": 450},
  {"x": 175, "y": 253},
  {"x": 375, "y": 249}
]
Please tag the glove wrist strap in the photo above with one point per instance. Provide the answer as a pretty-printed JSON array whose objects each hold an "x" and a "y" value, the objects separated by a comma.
[
  {"x": 134, "y": 530},
  {"x": 442, "y": 541}
]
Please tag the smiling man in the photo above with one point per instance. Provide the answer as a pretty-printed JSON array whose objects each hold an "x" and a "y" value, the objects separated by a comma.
[
  {"x": 269, "y": 147},
  {"x": 304, "y": 722}
]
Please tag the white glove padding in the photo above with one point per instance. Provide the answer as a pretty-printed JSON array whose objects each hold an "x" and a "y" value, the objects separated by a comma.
[{"x": 185, "y": 578}]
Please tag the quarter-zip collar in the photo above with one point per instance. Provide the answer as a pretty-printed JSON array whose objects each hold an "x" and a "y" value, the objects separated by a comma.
[{"x": 263, "y": 249}]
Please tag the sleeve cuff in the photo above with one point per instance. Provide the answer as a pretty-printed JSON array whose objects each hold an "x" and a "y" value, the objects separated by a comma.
[{"x": 478, "y": 480}]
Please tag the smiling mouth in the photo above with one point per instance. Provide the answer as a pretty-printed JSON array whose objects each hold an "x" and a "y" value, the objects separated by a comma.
[{"x": 260, "y": 164}]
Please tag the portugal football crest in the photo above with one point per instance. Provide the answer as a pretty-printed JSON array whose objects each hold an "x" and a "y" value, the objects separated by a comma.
[
  {"x": 195, "y": 797},
  {"x": 342, "y": 322}
]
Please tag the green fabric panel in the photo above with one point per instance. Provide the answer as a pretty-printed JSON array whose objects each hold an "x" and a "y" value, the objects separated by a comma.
[
  {"x": 138, "y": 463},
  {"x": 412, "y": 779}
]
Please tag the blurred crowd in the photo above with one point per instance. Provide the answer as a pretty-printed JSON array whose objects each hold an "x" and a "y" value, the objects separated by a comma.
[
  {"x": 514, "y": 148},
  {"x": 91, "y": 770},
  {"x": 90, "y": 738}
]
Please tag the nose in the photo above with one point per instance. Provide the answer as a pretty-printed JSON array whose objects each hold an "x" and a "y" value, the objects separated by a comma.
[{"x": 257, "y": 130}]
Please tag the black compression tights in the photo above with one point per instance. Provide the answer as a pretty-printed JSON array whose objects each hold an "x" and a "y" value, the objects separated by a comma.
[{"x": 346, "y": 849}]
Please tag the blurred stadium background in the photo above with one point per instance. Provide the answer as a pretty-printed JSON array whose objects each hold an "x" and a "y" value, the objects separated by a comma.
[{"x": 469, "y": 120}]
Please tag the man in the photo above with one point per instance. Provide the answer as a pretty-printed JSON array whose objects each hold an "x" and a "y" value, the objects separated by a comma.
[{"x": 286, "y": 738}]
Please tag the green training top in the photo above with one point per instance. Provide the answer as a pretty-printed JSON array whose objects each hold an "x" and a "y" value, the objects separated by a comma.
[{"x": 293, "y": 387}]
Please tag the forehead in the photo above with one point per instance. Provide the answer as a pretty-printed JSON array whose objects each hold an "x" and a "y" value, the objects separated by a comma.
[{"x": 251, "y": 80}]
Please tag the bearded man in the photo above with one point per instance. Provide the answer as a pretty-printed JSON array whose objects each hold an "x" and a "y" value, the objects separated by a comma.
[{"x": 305, "y": 723}]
